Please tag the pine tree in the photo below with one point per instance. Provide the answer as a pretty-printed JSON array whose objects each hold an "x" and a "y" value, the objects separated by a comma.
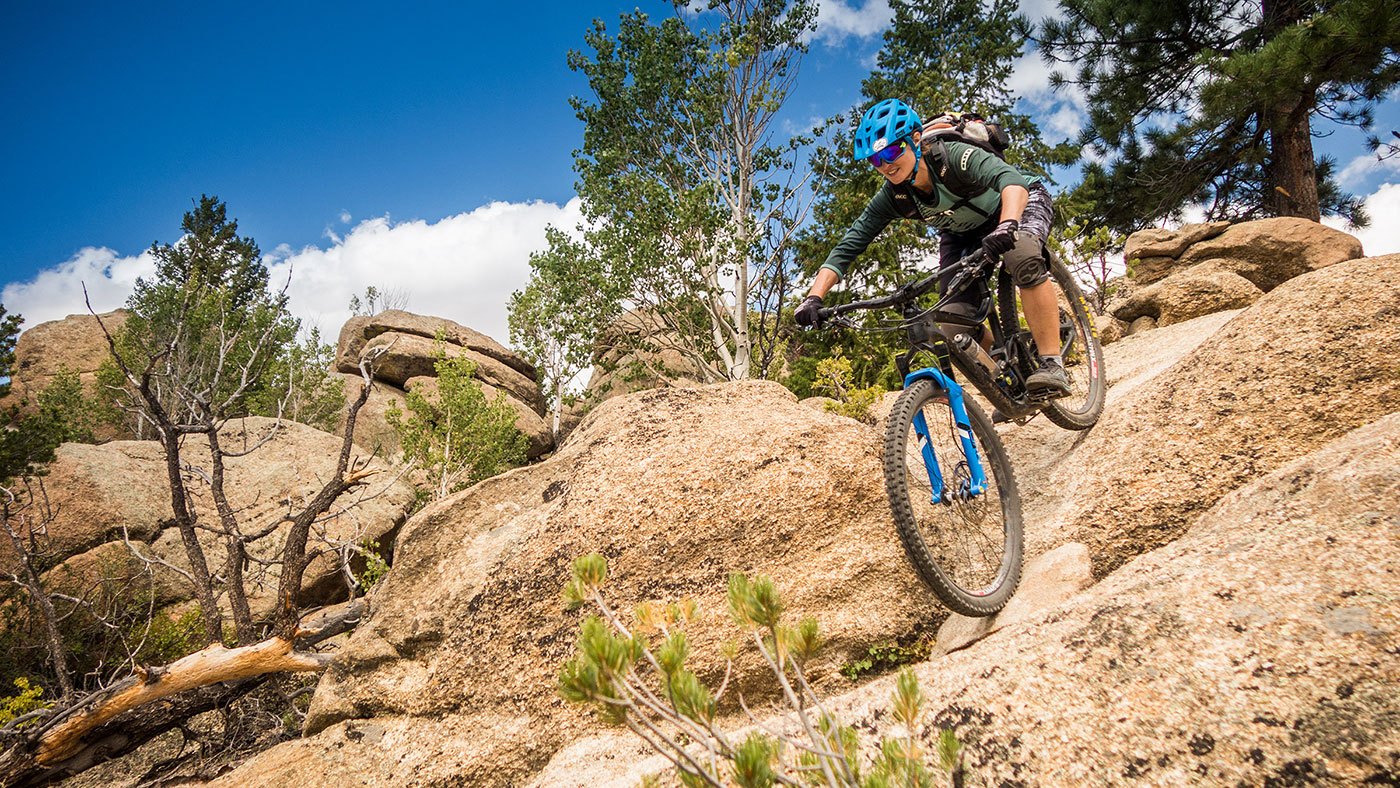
[{"x": 1212, "y": 102}]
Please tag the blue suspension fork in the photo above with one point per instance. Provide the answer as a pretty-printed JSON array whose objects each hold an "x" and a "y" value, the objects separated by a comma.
[{"x": 954, "y": 392}]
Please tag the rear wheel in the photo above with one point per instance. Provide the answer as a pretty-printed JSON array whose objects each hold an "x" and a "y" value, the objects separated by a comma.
[
  {"x": 965, "y": 545},
  {"x": 1082, "y": 353}
]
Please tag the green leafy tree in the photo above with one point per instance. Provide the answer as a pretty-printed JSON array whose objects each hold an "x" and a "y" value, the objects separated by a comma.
[
  {"x": 556, "y": 318},
  {"x": 302, "y": 385},
  {"x": 835, "y": 379},
  {"x": 204, "y": 330},
  {"x": 457, "y": 435},
  {"x": 635, "y": 676},
  {"x": 689, "y": 199},
  {"x": 9, "y": 334},
  {"x": 1213, "y": 102}
]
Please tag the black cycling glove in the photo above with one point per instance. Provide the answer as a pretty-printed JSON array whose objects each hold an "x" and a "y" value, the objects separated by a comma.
[
  {"x": 999, "y": 241},
  {"x": 809, "y": 312}
]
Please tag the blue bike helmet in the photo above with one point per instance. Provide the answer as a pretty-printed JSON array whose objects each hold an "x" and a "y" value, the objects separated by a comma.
[{"x": 883, "y": 124}]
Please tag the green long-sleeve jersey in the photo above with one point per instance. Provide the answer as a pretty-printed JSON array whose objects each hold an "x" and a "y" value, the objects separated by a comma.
[{"x": 969, "y": 169}]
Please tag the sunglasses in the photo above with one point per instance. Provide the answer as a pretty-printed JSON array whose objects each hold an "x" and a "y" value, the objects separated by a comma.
[{"x": 887, "y": 154}]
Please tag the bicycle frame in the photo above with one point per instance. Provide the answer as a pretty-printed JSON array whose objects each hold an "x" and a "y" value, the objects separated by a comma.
[
  {"x": 924, "y": 332},
  {"x": 954, "y": 392}
]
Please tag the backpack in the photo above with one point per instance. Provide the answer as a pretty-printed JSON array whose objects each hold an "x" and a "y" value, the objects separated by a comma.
[{"x": 971, "y": 128}]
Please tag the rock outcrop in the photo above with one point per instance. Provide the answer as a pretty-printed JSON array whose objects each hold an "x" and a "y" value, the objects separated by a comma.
[
  {"x": 678, "y": 487},
  {"x": 1310, "y": 361},
  {"x": 1153, "y": 252},
  {"x": 1205, "y": 268},
  {"x": 406, "y": 342},
  {"x": 1233, "y": 516},
  {"x": 1258, "y": 649},
  {"x": 98, "y": 491},
  {"x": 75, "y": 343}
]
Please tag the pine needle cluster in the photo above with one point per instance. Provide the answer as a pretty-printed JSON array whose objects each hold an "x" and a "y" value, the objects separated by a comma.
[{"x": 636, "y": 677}]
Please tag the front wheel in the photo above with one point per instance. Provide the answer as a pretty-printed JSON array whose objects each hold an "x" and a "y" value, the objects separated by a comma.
[
  {"x": 965, "y": 544},
  {"x": 1082, "y": 354}
]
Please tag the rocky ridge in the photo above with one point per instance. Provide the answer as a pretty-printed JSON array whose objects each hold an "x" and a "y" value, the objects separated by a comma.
[{"x": 1211, "y": 592}]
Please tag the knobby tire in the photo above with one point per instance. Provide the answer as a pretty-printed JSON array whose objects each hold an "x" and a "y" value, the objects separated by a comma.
[
  {"x": 1083, "y": 362},
  {"x": 968, "y": 552}
]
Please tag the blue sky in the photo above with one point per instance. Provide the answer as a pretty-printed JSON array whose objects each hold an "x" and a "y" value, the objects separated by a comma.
[{"x": 420, "y": 148}]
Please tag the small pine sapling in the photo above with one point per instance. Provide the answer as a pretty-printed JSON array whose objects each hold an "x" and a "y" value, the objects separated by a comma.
[{"x": 636, "y": 677}]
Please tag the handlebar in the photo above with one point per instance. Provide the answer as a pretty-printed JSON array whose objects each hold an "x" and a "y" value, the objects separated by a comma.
[{"x": 965, "y": 269}]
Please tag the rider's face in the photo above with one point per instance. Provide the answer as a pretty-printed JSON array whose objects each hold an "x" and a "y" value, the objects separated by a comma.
[{"x": 899, "y": 170}]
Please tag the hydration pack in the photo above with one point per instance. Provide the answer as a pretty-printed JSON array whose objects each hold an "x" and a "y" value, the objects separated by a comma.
[{"x": 971, "y": 128}]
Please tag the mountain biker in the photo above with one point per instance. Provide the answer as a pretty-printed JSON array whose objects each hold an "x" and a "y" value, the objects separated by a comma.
[{"x": 1009, "y": 214}]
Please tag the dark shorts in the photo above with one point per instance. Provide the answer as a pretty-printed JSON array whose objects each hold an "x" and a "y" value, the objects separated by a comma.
[{"x": 1025, "y": 262}]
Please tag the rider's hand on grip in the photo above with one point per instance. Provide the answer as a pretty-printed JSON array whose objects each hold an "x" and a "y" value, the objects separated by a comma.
[
  {"x": 999, "y": 241},
  {"x": 809, "y": 312}
]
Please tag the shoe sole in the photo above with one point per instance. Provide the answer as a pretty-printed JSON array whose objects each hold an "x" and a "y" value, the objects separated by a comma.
[{"x": 1039, "y": 390}]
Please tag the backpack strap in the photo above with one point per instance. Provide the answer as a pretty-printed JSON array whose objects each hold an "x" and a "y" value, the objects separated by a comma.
[{"x": 951, "y": 179}]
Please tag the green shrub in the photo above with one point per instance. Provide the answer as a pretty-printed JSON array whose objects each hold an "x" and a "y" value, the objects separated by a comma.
[
  {"x": 375, "y": 565},
  {"x": 458, "y": 436},
  {"x": 885, "y": 656},
  {"x": 640, "y": 681},
  {"x": 834, "y": 378},
  {"x": 28, "y": 699},
  {"x": 168, "y": 637}
]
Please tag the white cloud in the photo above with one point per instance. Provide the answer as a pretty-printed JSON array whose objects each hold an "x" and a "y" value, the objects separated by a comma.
[
  {"x": 1030, "y": 78},
  {"x": 1060, "y": 113},
  {"x": 1383, "y": 236},
  {"x": 58, "y": 292},
  {"x": 345, "y": 217},
  {"x": 463, "y": 268},
  {"x": 837, "y": 21},
  {"x": 1361, "y": 168}
]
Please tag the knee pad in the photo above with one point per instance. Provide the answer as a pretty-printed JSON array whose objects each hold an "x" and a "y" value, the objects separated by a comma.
[{"x": 1026, "y": 261}]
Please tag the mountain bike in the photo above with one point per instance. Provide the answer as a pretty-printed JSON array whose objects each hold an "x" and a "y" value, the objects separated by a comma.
[{"x": 951, "y": 488}]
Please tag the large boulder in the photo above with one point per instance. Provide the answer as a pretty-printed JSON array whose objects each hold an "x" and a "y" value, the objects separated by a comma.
[
  {"x": 1269, "y": 252},
  {"x": 1258, "y": 649},
  {"x": 408, "y": 356},
  {"x": 1162, "y": 242},
  {"x": 75, "y": 344},
  {"x": 1203, "y": 268},
  {"x": 361, "y": 329},
  {"x": 406, "y": 345},
  {"x": 678, "y": 487},
  {"x": 98, "y": 492},
  {"x": 1199, "y": 290},
  {"x": 1309, "y": 361},
  {"x": 1153, "y": 252}
]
